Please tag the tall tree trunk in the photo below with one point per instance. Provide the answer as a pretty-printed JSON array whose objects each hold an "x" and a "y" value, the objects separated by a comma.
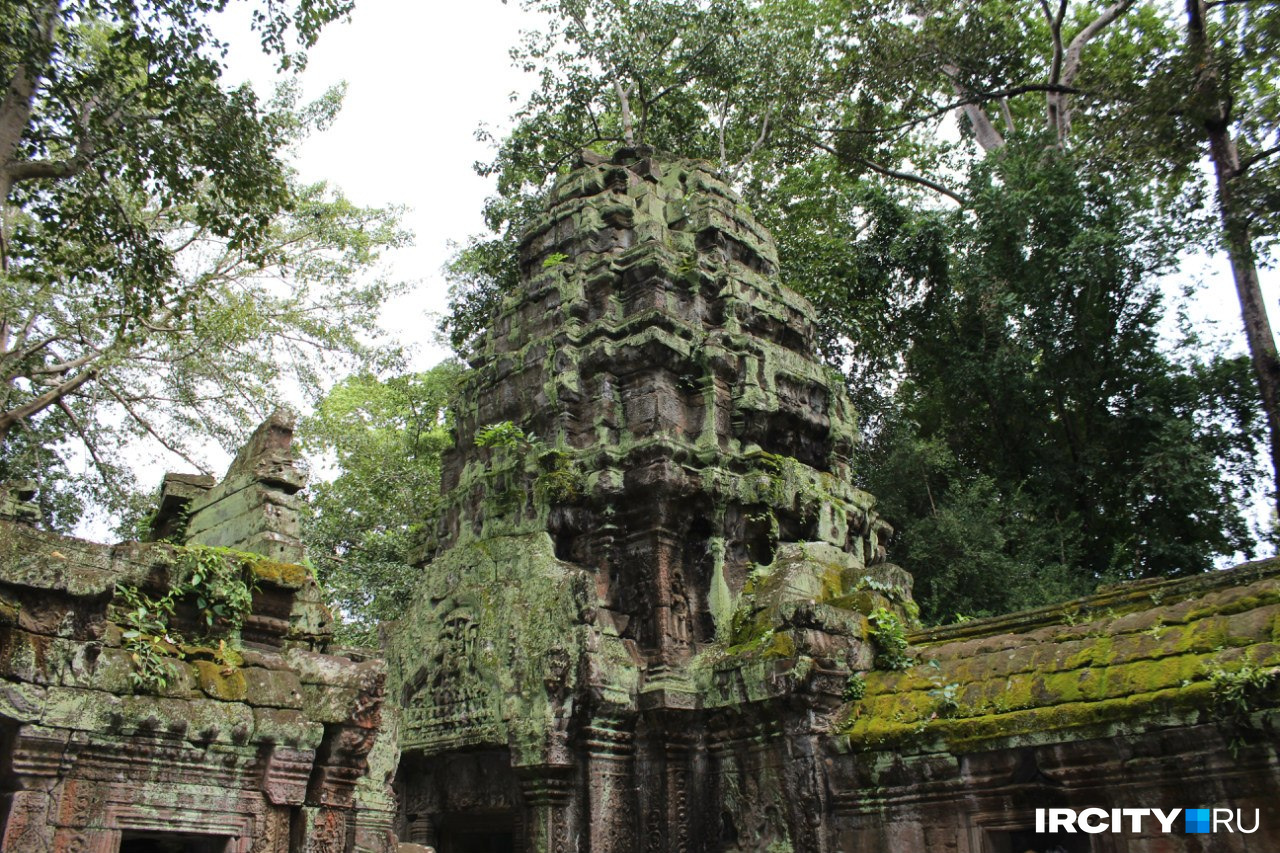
[{"x": 1212, "y": 109}]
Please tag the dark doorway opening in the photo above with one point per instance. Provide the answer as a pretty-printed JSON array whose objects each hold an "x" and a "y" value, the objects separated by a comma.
[
  {"x": 491, "y": 833},
  {"x": 171, "y": 842},
  {"x": 479, "y": 842}
]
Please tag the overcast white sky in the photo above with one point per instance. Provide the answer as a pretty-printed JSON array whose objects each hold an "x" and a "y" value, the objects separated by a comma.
[{"x": 421, "y": 77}]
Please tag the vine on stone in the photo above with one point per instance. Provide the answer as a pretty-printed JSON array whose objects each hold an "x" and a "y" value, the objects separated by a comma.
[{"x": 218, "y": 582}]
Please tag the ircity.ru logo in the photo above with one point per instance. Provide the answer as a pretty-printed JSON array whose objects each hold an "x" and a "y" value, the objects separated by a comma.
[{"x": 1120, "y": 820}]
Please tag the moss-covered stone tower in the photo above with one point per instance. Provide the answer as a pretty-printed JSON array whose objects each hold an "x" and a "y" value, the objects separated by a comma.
[{"x": 652, "y": 562}]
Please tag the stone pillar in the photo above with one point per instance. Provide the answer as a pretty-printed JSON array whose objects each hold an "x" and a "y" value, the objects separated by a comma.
[
  {"x": 27, "y": 826},
  {"x": 611, "y": 792},
  {"x": 548, "y": 792},
  {"x": 422, "y": 831},
  {"x": 678, "y": 753}
]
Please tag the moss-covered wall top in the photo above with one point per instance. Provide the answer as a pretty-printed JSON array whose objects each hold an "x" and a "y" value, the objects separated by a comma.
[{"x": 1138, "y": 657}]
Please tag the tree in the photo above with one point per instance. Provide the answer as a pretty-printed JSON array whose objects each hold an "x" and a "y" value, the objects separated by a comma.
[
  {"x": 1045, "y": 441},
  {"x": 1110, "y": 79},
  {"x": 160, "y": 270},
  {"x": 384, "y": 439},
  {"x": 1232, "y": 100}
]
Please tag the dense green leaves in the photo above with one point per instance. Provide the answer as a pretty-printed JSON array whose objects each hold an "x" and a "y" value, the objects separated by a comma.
[
  {"x": 163, "y": 277},
  {"x": 1044, "y": 440},
  {"x": 384, "y": 439}
]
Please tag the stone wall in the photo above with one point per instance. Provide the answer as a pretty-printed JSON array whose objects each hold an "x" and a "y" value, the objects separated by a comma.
[
  {"x": 254, "y": 738},
  {"x": 1156, "y": 694}
]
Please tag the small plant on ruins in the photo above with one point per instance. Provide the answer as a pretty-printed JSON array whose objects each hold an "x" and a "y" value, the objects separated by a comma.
[
  {"x": 558, "y": 480},
  {"x": 1237, "y": 693},
  {"x": 554, "y": 259},
  {"x": 946, "y": 699},
  {"x": 217, "y": 581},
  {"x": 855, "y": 688},
  {"x": 502, "y": 434},
  {"x": 146, "y": 637},
  {"x": 889, "y": 636}
]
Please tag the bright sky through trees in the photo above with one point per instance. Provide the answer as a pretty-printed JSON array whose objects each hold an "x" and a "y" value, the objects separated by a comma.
[{"x": 420, "y": 77}]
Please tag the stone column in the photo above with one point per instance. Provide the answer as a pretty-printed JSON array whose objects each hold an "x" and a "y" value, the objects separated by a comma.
[
  {"x": 679, "y": 749},
  {"x": 547, "y": 791},
  {"x": 611, "y": 792}
]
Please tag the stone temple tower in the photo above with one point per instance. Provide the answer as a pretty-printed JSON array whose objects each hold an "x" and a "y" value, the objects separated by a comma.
[{"x": 652, "y": 575}]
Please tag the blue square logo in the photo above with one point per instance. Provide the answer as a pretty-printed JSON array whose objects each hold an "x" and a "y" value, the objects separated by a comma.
[{"x": 1198, "y": 820}]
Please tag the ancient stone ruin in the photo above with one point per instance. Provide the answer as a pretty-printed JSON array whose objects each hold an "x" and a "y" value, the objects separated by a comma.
[
  {"x": 259, "y": 739},
  {"x": 657, "y": 616},
  {"x": 654, "y": 615}
]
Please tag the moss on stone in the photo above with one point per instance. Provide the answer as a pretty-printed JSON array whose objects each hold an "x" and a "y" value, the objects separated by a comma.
[
  {"x": 287, "y": 575},
  {"x": 221, "y": 682}
]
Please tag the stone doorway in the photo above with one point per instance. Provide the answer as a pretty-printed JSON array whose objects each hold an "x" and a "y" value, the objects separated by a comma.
[
  {"x": 477, "y": 834},
  {"x": 171, "y": 842}
]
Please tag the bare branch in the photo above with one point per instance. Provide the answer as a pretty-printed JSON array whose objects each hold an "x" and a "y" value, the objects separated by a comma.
[
  {"x": 898, "y": 175},
  {"x": 1255, "y": 159},
  {"x": 62, "y": 367},
  {"x": 84, "y": 437},
  {"x": 30, "y": 169},
  {"x": 983, "y": 130},
  {"x": 960, "y": 102},
  {"x": 145, "y": 424}
]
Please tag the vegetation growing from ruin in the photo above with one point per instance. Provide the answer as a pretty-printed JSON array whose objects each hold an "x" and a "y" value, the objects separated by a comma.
[
  {"x": 1239, "y": 692},
  {"x": 557, "y": 477},
  {"x": 218, "y": 583},
  {"x": 889, "y": 636}
]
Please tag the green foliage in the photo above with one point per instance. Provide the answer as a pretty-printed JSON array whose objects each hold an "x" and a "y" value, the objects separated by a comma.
[
  {"x": 219, "y": 581},
  {"x": 855, "y": 688},
  {"x": 145, "y": 623},
  {"x": 1044, "y": 440},
  {"x": 992, "y": 296},
  {"x": 555, "y": 259},
  {"x": 559, "y": 479},
  {"x": 383, "y": 439},
  {"x": 216, "y": 582},
  {"x": 502, "y": 434},
  {"x": 163, "y": 275},
  {"x": 1239, "y": 693},
  {"x": 946, "y": 699},
  {"x": 889, "y": 636}
]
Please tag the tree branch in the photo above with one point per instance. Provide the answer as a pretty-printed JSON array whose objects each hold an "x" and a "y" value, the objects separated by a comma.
[
  {"x": 145, "y": 424},
  {"x": 897, "y": 175},
  {"x": 983, "y": 130},
  {"x": 48, "y": 398},
  {"x": 1255, "y": 159},
  {"x": 960, "y": 102}
]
